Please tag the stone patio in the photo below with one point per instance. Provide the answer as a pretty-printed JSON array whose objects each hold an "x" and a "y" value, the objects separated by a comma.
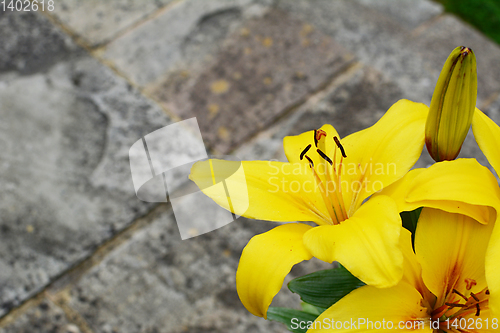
[{"x": 79, "y": 252}]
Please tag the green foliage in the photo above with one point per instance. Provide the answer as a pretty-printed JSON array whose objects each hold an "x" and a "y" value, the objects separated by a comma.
[
  {"x": 291, "y": 318},
  {"x": 410, "y": 220},
  {"x": 324, "y": 288},
  {"x": 483, "y": 14}
]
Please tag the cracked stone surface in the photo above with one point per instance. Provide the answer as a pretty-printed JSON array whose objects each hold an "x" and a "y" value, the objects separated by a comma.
[
  {"x": 98, "y": 22},
  {"x": 67, "y": 126},
  {"x": 268, "y": 66},
  {"x": 195, "y": 28},
  {"x": 43, "y": 317}
]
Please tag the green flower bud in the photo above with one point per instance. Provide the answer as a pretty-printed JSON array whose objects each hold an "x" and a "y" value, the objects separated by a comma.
[{"x": 452, "y": 105}]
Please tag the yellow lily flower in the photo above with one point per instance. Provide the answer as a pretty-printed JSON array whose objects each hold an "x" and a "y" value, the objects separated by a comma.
[
  {"x": 325, "y": 181},
  {"x": 487, "y": 135},
  {"x": 460, "y": 186},
  {"x": 443, "y": 289}
]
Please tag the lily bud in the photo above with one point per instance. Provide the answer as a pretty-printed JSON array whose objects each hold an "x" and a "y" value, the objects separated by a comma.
[{"x": 452, "y": 105}]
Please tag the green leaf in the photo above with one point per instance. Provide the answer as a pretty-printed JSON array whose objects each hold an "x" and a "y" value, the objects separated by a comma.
[
  {"x": 295, "y": 320},
  {"x": 309, "y": 308},
  {"x": 410, "y": 220},
  {"x": 325, "y": 288}
]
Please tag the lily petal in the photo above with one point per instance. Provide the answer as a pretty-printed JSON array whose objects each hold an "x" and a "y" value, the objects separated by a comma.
[
  {"x": 265, "y": 262},
  {"x": 266, "y": 190},
  {"x": 367, "y": 244},
  {"x": 460, "y": 186},
  {"x": 493, "y": 270},
  {"x": 384, "y": 152},
  {"x": 412, "y": 271},
  {"x": 369, "y": 309},
  {"x": 451, "y": 249},
  {"x": 487, "y": 135}
]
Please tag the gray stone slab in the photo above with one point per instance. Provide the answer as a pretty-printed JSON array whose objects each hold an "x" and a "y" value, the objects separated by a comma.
[
  {"x": 376, "y": 39},
  {"x": 43, "y": 317},
  {"x": 270, "y": 65},
  {"x": 410, "y": 13},
  {"x": 412, "y": 58},
  {"x": 437, "y": 40},
  {"x": 98, "y": 22},
  {"x": 66, "y": 128},
  {"x": 158, "y": 283},
  {"x": 188, "y": 32},
  {"x": 30, "y": 45}
]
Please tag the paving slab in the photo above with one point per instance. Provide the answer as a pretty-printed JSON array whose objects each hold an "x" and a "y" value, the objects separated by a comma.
[
  {"x": 157, "y": 282},
  {"x": 98, "y": 22},
  {"x": 188, "y": 33},
  {"x": 42, "y": 317},
  {"x": 270, "y": 65},
  {"x": 374, "y": 37},
  {"x": 409, "y": 13},
  {"x": 67, "y": 125},
  {"x": 435, "y": 42},
  {"x": 411, "y": 55}
]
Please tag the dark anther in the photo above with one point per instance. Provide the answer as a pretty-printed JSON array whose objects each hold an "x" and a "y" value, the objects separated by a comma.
[
  {"x": 475, "y": 297},
  {"x": 455, "y": 305},
  {"x": 311, "y": 164},
  {"x": 340, "y": 146},
  {"x": 459, "y": 294},
  {"x": 487, "y": 292},
  {"x": 304, "y": 152},
  {"x": 326, "y": 158},
  {"x": 478, "y": 312}
]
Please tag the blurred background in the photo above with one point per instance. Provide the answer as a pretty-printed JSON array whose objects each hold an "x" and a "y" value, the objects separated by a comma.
[{"x": 81, "y": 81}]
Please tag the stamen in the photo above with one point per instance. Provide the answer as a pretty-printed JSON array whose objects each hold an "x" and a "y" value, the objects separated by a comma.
[
  {"x": 475, "y": 297},
  {"x": 316, "y": 138},
  {"x": 311, "y": 164},
  {"x": 305, "y": 151},
  {"x": 455, "y": 305},
  {"x": 459, "y": 294},
  {"x": 478, "y": 312},
  {"x": 487, "y": 292},
  {"x": 326, "y": 158},
  {"x": 340, "y": 146}
]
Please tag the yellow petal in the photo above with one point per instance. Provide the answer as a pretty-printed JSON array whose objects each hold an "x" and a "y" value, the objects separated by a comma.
[
  {"x": 451, "y": 249},
  {"x": 487, "y": 135},
  {"x": 493, "y": 270},
  {"x": 266, "y": 190},
  {"x": 265, "y": 262},
  {"x": 369, "y": 309},
  {"x": 460, "y": 186},
  {"x": 383, "y": 153},
  {"x": 399, "y": 190},
  {"x": 367, "y": 244},
  {"x": 412, "y": 271}
]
